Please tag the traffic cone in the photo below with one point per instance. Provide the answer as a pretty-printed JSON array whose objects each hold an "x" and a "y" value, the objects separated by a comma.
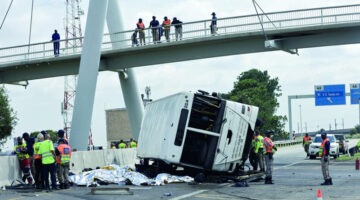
[{"x": 319, "y": 196}]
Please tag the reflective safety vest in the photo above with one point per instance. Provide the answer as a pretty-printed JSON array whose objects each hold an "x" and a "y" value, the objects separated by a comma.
[
  {"x": 259, "y": 143},
  {"x": 65, "y": 153},
  {"x": 253, "y": 142},
  {"x": 36, "y": 150},
  {"x": 45, "y": 150},
  {"x": 133, "y": 145},
  {"x": 113, "y": 147},
  {"x": 141, "y": 26},
  {"x": 122, "y": 145},
  {"x": 307, "y": 139},
  {"x": 269, "y": 145},
  {"x": 166, "y": 24},
  {"x": 358, "y": 144},
  {"x": 20, "y": 155},
  {"x": 322, "y": 150}
]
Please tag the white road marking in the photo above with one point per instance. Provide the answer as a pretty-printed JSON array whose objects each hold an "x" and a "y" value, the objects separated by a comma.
[
  {"x": 289, "y": 165},
  {"x": 188, "y": 195}
]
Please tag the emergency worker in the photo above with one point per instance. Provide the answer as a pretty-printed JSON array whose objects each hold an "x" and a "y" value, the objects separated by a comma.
[
  {"x": 141, "y": 28},
  {"x": 252, "y": 156},
  {"x": 122, "y": 144},
  {"x": 133, "y": 144},
  {"x": 324, "y": 154},
  {"x": 166, "y": 24},
  {"x": 39, "y": 178},
  {"x": 61, "y": 135},
  {"x": 23, "y": 156},
  {"x": 259, "y": 150},
  {"x": 64, "y": 152},
  {"x": 30, "y": 141},
  {"x": 154, "y": 25},
  {"x": 270, "y": 149},
  {"x": 306, "y": 144},
  {"x": 48, "y": 155}
]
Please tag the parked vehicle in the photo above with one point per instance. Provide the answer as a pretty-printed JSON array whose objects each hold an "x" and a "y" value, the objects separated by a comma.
[
  {"x": 315, "y": 145},
  {"x": 343, "y": 143},
  {"x": 196, "y": 131}
]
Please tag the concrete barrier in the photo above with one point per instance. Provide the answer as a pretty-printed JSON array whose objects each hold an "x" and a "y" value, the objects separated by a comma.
[
  {"x": 10, "y": 169},
  {"x": 287, "y": 143}
]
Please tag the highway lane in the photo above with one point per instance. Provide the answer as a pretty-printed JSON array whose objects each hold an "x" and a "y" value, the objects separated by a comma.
[{"x": 295, "y": 178}]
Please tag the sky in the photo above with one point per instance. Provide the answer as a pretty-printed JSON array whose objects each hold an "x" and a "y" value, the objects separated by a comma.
[{"x": 38, "y": 106}]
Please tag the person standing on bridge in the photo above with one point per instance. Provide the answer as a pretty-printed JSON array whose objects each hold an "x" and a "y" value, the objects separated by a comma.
[
  {"x": 324, "y": 154},
  {"x": 306, "y": 144},
  {"x": 270, "y": 149},
  {"x": 213, "y": 26},
  {"x": 166, "y": 24},
  {"x": 259, "y": 150},
  {"x": 141, "y": 29},
  {"x": 178, "y": 28},
  {"x": 154, "y": 25},
  {"x": 56, "y": 41}
]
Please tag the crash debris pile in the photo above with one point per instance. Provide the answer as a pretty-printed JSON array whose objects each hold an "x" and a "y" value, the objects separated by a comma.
[{"x": 115, "y": 174}]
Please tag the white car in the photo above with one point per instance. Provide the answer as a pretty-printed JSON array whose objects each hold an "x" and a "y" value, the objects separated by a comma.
[{"x": 315, "y": 145}]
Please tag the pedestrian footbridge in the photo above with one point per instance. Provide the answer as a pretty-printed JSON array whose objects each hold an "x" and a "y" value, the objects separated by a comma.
[{"x": 287, "y": 31}]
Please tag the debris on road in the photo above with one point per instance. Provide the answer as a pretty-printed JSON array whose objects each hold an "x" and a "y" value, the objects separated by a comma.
[{"x": 115, "y": 174}]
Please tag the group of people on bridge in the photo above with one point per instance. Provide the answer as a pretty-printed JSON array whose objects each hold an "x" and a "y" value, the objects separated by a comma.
[
  {"x": 38, "y": 158},
  {"x": 158, "y": 30}
]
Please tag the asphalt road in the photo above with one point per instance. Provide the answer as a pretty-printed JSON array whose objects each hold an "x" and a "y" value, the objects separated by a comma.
[{"x": 295, "y": 177}]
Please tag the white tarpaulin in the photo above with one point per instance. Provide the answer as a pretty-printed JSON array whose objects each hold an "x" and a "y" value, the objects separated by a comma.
[{"x": 118, "y": 175}]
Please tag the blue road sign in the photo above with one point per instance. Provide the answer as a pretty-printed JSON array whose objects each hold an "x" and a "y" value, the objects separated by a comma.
[
  {"x": 355, "y": 93},
  {"x": 327, "y": 95}
]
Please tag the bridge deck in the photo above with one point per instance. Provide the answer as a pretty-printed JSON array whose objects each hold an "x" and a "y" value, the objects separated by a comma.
[{"x": 235, "y": 35}]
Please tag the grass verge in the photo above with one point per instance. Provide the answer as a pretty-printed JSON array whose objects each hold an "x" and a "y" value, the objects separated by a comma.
[{"x": 348, "y": 158}]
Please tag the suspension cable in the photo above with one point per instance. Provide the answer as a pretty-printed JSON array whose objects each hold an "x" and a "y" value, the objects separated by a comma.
[
  {"x": 261, "y": 22},
  {"x": 2, "y": 23},
  {"x": 32, "y": 9}
]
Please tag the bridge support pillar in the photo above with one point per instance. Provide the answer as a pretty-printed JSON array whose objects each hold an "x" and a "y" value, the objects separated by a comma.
[
  {"x": 133, "y": 102},
  {"x": 88, "y": 73}
]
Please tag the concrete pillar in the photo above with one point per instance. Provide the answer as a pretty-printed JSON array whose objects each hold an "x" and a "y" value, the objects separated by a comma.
[
  {"x": 133, "y": 102},
  {"x": 88, "y": 72}
]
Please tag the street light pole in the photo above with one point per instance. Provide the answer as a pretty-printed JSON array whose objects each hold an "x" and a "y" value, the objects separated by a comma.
[{"x": 300, "y": 119}]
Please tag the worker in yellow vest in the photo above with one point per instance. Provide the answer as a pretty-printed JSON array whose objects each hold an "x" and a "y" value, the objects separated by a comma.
[
  {"x": 259, "y": 150},
  {"x": 252, "y": 155},
  {"x": 64, "y": 151},
  {"x": 48, "y": 155},
  {"x": 122, "y": 144},
  {"x": 39, "y": 178},
  {"x": 133, "y": 144},
  {"x": 23, "y": 156}
]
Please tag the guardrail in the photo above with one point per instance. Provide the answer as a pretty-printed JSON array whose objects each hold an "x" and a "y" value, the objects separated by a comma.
[
  {"x": 197, "y": 29},
  {"x": 286, "y": 143}
]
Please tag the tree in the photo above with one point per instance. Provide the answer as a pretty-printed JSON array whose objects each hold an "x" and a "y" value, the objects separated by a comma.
[
  {"x": 7, "y": 117},
  {"x": 53, "y": 134},
  {"x": 257, "y": 88}
]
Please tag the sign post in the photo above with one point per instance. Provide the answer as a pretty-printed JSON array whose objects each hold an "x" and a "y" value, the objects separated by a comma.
[
  {"x": 328, "y": 95},
  {"x": 355, "y": 95}
]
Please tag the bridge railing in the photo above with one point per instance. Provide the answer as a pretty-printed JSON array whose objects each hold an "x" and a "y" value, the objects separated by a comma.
[{"x": 198, "y": 29}]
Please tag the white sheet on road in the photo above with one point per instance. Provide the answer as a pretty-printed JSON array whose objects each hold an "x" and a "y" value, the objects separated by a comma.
[{"x": 117, "y": 175}]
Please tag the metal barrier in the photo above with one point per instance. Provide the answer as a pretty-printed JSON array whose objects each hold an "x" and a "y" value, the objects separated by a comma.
[
  {"x": 197, "y": 29},
  {"x": 285, "y": 143}
]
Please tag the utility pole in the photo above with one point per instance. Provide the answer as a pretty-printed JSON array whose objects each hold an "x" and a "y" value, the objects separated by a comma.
[
  {"x": 330, "y": 127},
  {"x": 335, "y": 125},
  {"x": 298, "y": 128},
  {"x": 300, "y": 119},
  {"x": 306, "y": 127},
  {"x": 343, "y": 123}
]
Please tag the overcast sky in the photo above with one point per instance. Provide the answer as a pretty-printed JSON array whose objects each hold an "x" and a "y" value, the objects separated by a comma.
[{"x": 38, "y": 106}]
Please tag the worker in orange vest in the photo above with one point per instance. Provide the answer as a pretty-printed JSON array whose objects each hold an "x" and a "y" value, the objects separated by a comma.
[
  {"x": 63, "y": 152},
  {"x": 166, "y": 24},
  {"x": 306, "y": 144},
  {"x": 324, "y": 151},
  {"x": 61, "y": 135},
  {"x": 270, "y": 149},
  {"x": 141, "y": 28}
]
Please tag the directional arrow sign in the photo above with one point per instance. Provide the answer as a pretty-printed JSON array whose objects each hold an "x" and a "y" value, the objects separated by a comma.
[
  {"x": 326, "y": 95},
  {"x": 355, "y": 93}
]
